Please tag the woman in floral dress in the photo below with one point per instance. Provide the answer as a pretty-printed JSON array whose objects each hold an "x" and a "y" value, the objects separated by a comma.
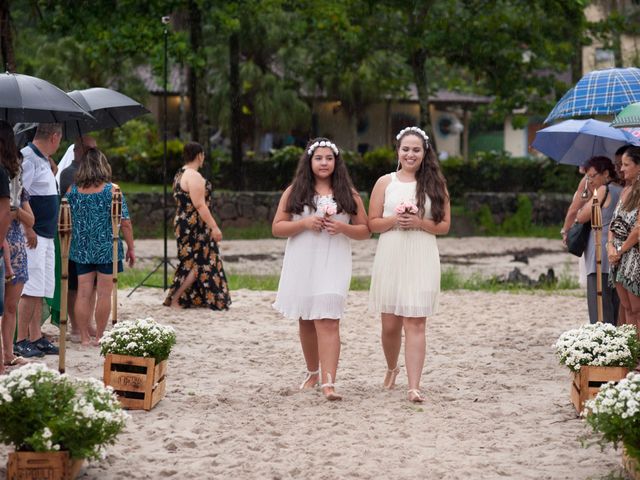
[{"x": 199, "y": 280}]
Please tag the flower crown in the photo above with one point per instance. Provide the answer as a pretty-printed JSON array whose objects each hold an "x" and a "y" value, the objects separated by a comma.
[
  {"x": 323, "y": 143},
  {"x": 417, "y": 130}
]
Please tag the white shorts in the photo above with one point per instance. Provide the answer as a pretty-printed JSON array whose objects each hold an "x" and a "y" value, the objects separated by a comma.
[{"x": 41, "y": 262}]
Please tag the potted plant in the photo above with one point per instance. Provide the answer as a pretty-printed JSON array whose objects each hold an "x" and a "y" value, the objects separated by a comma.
[
  {"x": 615, "y": 414},
  {"x": 136, "y": 354},
  {"x": 52, "y": 419},
  {"x": 597, "y": 353}
]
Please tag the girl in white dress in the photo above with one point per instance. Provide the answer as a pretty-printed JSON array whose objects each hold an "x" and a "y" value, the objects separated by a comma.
[
  {"x": 408, "y": 208},
  {"x": 319, "y": 213}
]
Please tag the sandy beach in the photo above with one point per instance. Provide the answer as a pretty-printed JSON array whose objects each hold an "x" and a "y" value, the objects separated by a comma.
[{"x": 497, "y": 400}]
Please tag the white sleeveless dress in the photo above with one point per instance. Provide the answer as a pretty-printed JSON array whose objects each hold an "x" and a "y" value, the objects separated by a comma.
[
  {"x": 316, "y": 271},
  {"x": 405, "y": 279}
]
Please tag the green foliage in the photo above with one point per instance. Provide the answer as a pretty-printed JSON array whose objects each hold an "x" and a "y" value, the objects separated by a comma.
[
  {"x": 139, "y": 338},
  {"x": 42, "y": 410},
  {"x": 615, "y": 415}
]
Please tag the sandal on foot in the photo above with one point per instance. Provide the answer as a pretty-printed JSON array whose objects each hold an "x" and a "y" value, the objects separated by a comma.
[
  {"x": 304, "y": 386},
  {"x": 390, "y": 378},
  {"x": 16, "y": 361},
  {"x": 332, "y": 395},
  {"x": 414, "y": 395}
]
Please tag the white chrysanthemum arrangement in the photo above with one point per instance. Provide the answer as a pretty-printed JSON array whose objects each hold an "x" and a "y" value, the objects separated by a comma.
[
  {"x": 598, "y": 344},
  {"x": 615, "y": 413},
  {"x": 42, "y": 410},
  {"x": 139, "y": 338}
]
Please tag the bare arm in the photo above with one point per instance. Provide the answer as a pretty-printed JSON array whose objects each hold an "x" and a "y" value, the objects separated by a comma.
[
  {"x": 357, "y": 229},
  {"x": 24, "y": 215},
  {"x": 283, "y": 226},
  {"x": 127, "y": 233},
  {"x": 583, "y": 215},
  {"x": 576, "y": 204},
  {"x": 196, "y": 186},
  {"x": 378, "y": 224},
  {"x": 5, "y": 217}
]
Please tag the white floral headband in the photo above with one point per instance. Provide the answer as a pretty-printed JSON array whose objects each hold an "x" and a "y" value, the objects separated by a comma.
[
  {"x": 323, "y": 143},
  {"x": 417, "y": 130}
]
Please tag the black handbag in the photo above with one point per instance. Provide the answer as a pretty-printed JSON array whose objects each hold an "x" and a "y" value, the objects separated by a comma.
[
  {"x": 578, "y": 237},
  {"x": 578, "y": 234}
]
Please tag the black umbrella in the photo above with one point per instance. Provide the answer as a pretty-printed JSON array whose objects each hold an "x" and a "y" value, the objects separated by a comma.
[
  {"x": 109, "y": 109},
  {"x": 31, "y": 99}
]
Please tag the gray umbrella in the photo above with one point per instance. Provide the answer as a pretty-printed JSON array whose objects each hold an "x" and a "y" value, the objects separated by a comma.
[
  {"x": 109, "y": 109},
  {"x": 31, "y": 99}
]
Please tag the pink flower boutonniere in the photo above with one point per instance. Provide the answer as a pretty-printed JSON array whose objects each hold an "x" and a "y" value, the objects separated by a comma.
[{"x": 406, "y": 207}]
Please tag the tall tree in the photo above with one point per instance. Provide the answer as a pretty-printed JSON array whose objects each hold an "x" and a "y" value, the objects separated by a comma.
[{"x": 6, "y": 37}]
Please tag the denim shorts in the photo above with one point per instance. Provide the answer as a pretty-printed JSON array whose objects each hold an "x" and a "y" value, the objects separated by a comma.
[{"x": 105, "y": 268}]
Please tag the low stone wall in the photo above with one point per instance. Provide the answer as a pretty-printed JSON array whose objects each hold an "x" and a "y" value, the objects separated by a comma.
[{"x": 246, "y": 208}]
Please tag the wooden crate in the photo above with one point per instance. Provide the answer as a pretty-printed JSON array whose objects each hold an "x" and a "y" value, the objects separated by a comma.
[
  {"x": 139, "y": 389},
  {"x": 586, "y": 382},
  {"x": 630, "y": 465},
  {"x": 38, "y": 466}
]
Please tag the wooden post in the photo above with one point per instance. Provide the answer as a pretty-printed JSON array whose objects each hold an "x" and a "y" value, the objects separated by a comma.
[
  {"x": 596, "y": 225},
  {"x": 116, "y": 216},
  {"x": 64, "y": 233}
]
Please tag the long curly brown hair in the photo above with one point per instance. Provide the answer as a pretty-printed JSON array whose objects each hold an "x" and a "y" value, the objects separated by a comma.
[
  {"x": 10, "y": 156},
  {"x": 429, "y": 180},
  {"x": 303, "y": 186},
  {"x": 632, "y": 201}
]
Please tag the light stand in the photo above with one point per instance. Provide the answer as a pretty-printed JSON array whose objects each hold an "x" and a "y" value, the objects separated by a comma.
[{"x": 165, "y": 261}]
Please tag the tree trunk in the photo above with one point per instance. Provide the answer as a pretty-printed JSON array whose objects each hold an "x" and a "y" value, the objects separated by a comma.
[
  {"x": 6, "y": 38},
  {"x": 420, "y": 77},
  {"x": 195, "y": 36},
  {"x": 236, "y": 112}
]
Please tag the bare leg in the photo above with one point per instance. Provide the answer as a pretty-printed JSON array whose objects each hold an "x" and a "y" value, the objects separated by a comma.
[
  {"x": 391, "y": 337},
  {"x": 309, "y": 343},
  {"x": 11, "y": 298},
  {"x": 328, "y": 331},
  {"x": 29, "y": 313},
  {"x": 71, "y": 305},
  {"x": 188, "y": 281},
  {"x": 414, "y": 353},
  {"x": 103, "y": 304},
  {"x": 625, "y": 304},
  {"x": 82, "y": 311},
  {"x": 633, "y": 316}
]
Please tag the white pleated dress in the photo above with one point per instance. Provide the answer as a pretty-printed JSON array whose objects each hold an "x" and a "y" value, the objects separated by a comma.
[
  {"x": 316, "y": 271},
  {"x": 405, "y": 279}
]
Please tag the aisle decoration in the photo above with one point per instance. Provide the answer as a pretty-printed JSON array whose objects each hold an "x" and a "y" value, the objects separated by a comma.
[
  {"x": 597, "y": 353},
  {"x": 136, "y": 354},
  {"x": 55, "y": 422},
  {"x": 615, "y": 414}
]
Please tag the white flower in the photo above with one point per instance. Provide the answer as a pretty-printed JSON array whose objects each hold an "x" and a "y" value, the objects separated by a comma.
[
  {"x": 417, "y": 130},
  {"x": 323, "y": 143}
]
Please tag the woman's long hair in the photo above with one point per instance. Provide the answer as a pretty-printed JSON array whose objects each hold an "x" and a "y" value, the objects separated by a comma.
[
  {"x": 429, "y": 180},
  {"x": 94, "y": 169},
  {"x": 10, "y": 157},
  {"x": 303, "y": 185},
  {"x": 633, "y": 199}
]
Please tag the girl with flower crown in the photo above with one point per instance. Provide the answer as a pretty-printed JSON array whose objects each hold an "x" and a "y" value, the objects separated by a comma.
[
  {"x": 319, "y": 213},
  {"x": 408, "y": 208}
]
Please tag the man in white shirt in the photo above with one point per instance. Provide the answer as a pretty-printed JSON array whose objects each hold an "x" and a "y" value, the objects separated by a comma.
[{"x": 39, "y": 181}]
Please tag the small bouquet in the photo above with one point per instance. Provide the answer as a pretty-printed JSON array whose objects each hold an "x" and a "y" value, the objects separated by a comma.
[
  {"x": 615, "y": 413},
  {"x": 43, "y": 411},
  {"x": 598, "y": 344},
  {"x": 406, "y": 207},
  {"x": 139, "y": 338},
  {"x": 328, "y": 209}
]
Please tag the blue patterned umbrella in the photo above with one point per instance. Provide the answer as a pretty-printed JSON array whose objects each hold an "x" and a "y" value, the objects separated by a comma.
[{"x": 601, "y": 92}]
